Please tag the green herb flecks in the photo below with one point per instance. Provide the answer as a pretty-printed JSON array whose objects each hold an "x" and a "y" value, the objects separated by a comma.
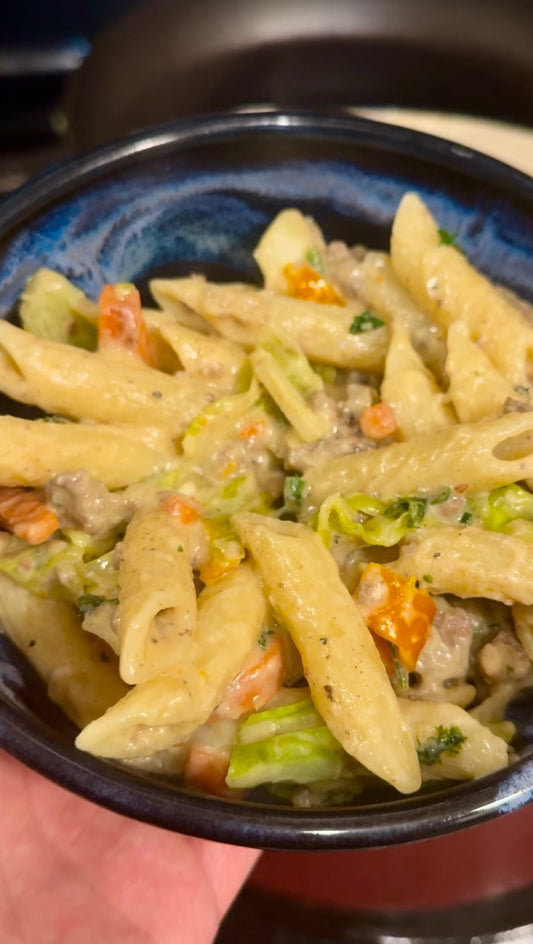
[
  {"x": 264, "y": 637},
  {"x": 315, "y": 260},
  {"x": 445, "y": 741},
  {"x": 411, "y": 510},
  {"x": 90, "y": 601},
  {"x": 366, "y": 321},
  {"x": 442, "y": 496},
  {"x": 449, "y": 239},
  {"x": 293, "y": 492}
]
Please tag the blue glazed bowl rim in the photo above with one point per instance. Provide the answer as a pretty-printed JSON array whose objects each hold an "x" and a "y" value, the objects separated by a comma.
[
  {"x": 202, "y": 130},
  {"x": 243, "y": 822}
]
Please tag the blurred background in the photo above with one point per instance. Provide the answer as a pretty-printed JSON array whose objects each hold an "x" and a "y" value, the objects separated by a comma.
[{"x": 74, "y": 75}]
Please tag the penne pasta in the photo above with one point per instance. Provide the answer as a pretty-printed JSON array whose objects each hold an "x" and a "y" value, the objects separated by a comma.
[
  {"x": 156, "y": 614},
  {"x": 345, "y": 674},
  {"x": 33, "y": 451},
  {"x": 470, "y": 562},
  {"x": 444, "y": 283},
  {"x": 411, "y": 390},
  {"x": 104, "y": 387},
  {"x": 79, "y": 670},
  {"x": 249, "y": 316},
  {"x": 278, "y": 536},
  {"x": 481, "y": 752},
  {"x": 478, "y": 456},
  {"x": 387, "y": 296},
  {"x": 165, "y": 710},
  {"x": 477, "y": 389},
  {"x": 291, "y": 239}
]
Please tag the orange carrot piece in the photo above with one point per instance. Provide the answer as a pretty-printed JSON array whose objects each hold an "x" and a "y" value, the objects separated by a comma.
[
  {"x": 396, "y": 610},
  {"x": 256, "y": 684},
  {"x": 121, "y": 322},
  {"x": 206, "y": 769},
  {"x": 24, "y": 513},
  {"x": 178, "y": 508},
  {"x": 378, "y": 421},
  {"x": 308, "y": 284},
  {"x": 217, "y": 567},
  {"x": 252, "y": 430}
]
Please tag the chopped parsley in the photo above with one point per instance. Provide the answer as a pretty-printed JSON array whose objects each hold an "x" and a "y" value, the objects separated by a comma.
[
  {"x": 401, "y": 676},
  {"x": 293, "y": 491},
  {"x": 366, "y": 321},
  {"x": 465, "y": 518},
  {"x": 315, "y": 260},
  {"x": 263, "y": 638},
  {"x": 449, "y": 239},
  {"x": 414, "y": 510},
  {"x": 445, "y": 741},
  {"x": 427, "y": 577},
  {"x": 89, "y": 601},
  {"x": 442, "y": 496}
]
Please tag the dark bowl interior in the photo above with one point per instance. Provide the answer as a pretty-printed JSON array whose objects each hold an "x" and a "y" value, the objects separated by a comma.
[{"x": 195, "y": 196}]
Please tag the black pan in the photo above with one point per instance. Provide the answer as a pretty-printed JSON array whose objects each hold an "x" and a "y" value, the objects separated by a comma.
[{"x": 171, "y": 58}]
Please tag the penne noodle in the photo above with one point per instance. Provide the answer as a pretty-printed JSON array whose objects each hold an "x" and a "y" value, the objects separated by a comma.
[
  {"x": 165, "y": 710},
  {"x": 104, "y": 387},
  {"x": 476, "y": 456},
  {"x": 232, "y": 579},
  {"x": 249, "y": 316},
  {"x": 79, "y": 670},
  {"x": 482, "y": 752},
  {"x": 33, "y": 451},
  {"x": 348, "y": 683},
  {"x": 470, "y": 562},
  {"x": 443, "y": 282},
  {"x": 156, "y": 613}
]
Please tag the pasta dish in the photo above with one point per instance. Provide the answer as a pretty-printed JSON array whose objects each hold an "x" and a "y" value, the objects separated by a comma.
[{"x": 277, "y": 536}]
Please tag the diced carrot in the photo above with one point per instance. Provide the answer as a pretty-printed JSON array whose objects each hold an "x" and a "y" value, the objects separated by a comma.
[
  {"x": 178, "y": 508},
  {"x": 308, "y": 284},
  {"x": 396, "y": 610},
  {"x": 24, "y": 513},
  {"x": 121, "y": 322},
  {"x": 253, "y": 430},
  {"x": 217, "y": 567},
  {"x": 257, "y": 683},
  {"x": 378, "y": 421},
  {"x": 206, "y": 769}
]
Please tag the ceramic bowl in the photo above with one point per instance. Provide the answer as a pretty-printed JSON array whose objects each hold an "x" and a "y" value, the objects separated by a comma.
[{"x": 197, "y": 194}]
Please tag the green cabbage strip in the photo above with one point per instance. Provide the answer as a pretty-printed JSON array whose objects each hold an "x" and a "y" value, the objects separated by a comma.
[
  {"x": 286, "y": 744},
  {"x": 63, "y": 568},
  {"x": 501, "y": 507},
  {"x": 295, "y": 366},
  {"x": 54, "y": 309},
  {"x": 371, "y": 520}
]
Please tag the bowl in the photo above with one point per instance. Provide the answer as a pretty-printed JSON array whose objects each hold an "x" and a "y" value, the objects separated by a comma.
[{"x": 196, "y": 195}]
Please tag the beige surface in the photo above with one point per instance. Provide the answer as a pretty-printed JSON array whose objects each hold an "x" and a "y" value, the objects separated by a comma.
[{"x": 509, "y": 143}]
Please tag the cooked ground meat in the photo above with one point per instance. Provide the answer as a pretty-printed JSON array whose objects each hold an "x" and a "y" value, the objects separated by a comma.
[
  {"x": 444, "y": 662},
  {"x": 503, "y": 659},
  {"x": 83, "y": 502}
]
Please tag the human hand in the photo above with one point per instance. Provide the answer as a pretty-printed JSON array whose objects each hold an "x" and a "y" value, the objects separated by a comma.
[{"x": 74, "y": 873}]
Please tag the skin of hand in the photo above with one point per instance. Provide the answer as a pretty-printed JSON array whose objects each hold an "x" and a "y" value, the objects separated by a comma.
[{"x": 72, "y": 872}]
